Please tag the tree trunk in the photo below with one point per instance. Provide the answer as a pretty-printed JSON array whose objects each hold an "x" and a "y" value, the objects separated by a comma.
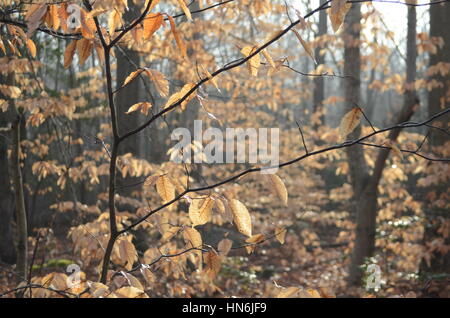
[
  {"x": 367, "y": 207},
  {"x": 319, "y": 83},
  {"x": 438, "y": 100},
  {"x": 439, "y": 97},
  {"x": 7, "y": 250},
  {"x": 127, "y": 60},
  {"x": 357, "y": 165},
  {"x": 21, "y": 215}
]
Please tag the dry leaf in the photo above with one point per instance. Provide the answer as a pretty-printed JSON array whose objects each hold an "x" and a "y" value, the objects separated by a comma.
[
  {"x": 84, "y": 49},
  {"x": 241, "y": 217},
  {"x": 305, "y": 46},
  {"x": 185, "y": 9},
  {"x": 280, "y": 234},
  {"x": 349, "y": 122},
  {"x": 129, "y": 292},
  {"x": 224, "y": 247},
  {"x": 177, "y": 37},
  {"x": 253, "y": 241},
  {"x": 278, "y": 187},
  {"x": 253, "y": 63},
  {"x": 213, "y": 264},
  {"x": 160, "y": 82},
  {"x": 69, "y": 53},
  {"x": 201, "y": 213},
  {"x": 338, "y": 10},
  {"x": 34, "y": 17},
  {"x": 143, "y": 107},
  {"x": 151, "y": 24},
  {"x": 290, "y": 292},
  {"x": 193, "y": 237},
  {"x": 165, "y": 189},
  {"x": 269, "y": 58},
  {"x": 31, "y": 47},
  {"x": 132, "y": 76}
]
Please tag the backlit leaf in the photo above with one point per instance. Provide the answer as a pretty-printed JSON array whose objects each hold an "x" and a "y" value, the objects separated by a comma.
[
  {"x": 349, "y": 122},
  {"x": 338, "y": 10},
  {"x": 177, "y": 37},
  {"x": 200, "y": 212},
  {"x": 143, "y": 107},
  {"x": 165, "y": 188},
  {"x": 213, "y": 264},
  {"x": 277, "y": 186},
  {"x": 253, "y": 63},
  {"x": 241, "y": 217},
  {"x": 151, "y": 24},
  {"x": 305, "y": 45}
]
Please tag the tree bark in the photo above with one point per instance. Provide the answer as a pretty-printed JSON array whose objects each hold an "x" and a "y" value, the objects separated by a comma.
[
  {"x": 21, "y": 214},
  {"x": 438, "y": 99},
  {"x": 367, "y": 207},
  {"x": 7, "y": 250},
  {"x": 127, "y": 58},
  {"x": 319, "y": 83}
]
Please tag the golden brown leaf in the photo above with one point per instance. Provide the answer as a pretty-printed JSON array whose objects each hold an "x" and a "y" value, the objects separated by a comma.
[
  {"x": 305, "y": 45},
  {"x": 84, "y": 49},
  {"x": 349, "y": 122},
  {"x": 160, "y": 82},
  {"x": 241, "y": 217},
  {"x": 165, "y": 188},
  {"x": 338, "y": 10},
  {"x": 280, "y": 234},
  {"x": 253, "y": 241},
  {"x": 185, "y": 9},
  {"x": 132, "y": 76},
  {"x": 193, "y": 237},
  {"x": 143, "y": 107},
  {"x": 69, "y": 53},
  {"x": 290, "y": 292},
  {"x": 277, "y": 186},
  {"x": 34, "y": 17},
  {"x": 177, "y": 37},
  {"x": 201, "y": 213},
  {"x": 224, "y": 247},
  {"x": 213, "y": 264},
  {"x": 253, "y": 63},
  {"x": 151, "y": 24},
  {"x": 31, "y": 47}
]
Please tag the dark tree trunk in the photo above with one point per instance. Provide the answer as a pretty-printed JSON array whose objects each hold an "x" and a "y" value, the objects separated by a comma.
[
  {"x": 127, "y": 60},
  {"x": 21, "y": 214},
  {"x": 365, "y": 186},
  {"x": 438, "y": 99},
  {"x": 319, "y": 84},
  {"x": 7, "y": 250}
]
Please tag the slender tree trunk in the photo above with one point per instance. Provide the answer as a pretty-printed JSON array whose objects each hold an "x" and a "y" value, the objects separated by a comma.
[
  {"x": 367, "y": 207},
  {"x": 21, "y": 215},
  {"x": 319, "y": 84},
  {"x": 127, "y": 58},
  {"x": 438, "y": 99},
  {"x": 7, "y": 250},
  {"x": 357, "y": 165}
]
